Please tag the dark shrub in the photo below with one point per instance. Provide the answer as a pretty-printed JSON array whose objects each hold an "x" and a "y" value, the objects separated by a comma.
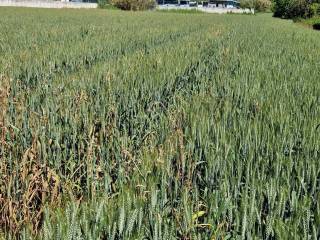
[
  {"x": 316, "y": 26},
  {"x": 134, "y": 5},
  {"x": 291, "y": 8}
]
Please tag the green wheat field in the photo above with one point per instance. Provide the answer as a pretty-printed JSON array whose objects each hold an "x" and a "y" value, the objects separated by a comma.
[{"x": 152, "y": 125}]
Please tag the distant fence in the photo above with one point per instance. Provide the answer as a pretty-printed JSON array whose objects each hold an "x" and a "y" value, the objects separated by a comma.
[
  {"x": 208, "y": 9},
  {"x": 226, "y": 10},
  {"x": 45, "y": 4}
]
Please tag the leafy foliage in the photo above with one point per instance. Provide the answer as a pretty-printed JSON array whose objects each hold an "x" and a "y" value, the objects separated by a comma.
[
  {"x": 312, "y": 22},
  {"x": 315, "y": 9},
  {"x": 316, "y": 25},
  {"x": 103, "y": 3},
  {"x": 257, "y": 5}
]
